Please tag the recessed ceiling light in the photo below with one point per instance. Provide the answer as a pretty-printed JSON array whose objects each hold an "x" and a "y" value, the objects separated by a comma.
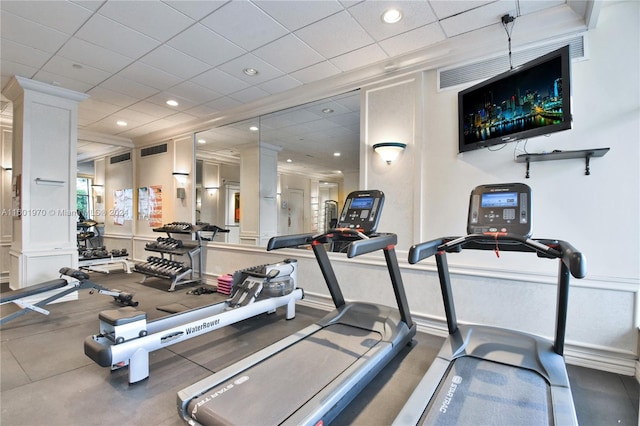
[
  {"x": 391, "y": 16},
  {"x": 202, "y": 141},
  {"x": 172, "y": 102},
  {"x": 327, "y": 110},
  {"x": 336, "y": 154},
  {"x": 289, "y": 160},
  {"x": 250, "y": 71},
  {"x": 121, "y": 123},
  {"x": 253, "y": 128}
]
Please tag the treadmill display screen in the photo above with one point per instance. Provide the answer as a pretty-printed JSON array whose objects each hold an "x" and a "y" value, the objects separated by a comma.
[
  {"x": 500, "y": 199},
  {"x": 362, "y": 211},
  {"x": 501, "y": 208},
  {"x": 362, "y": 203}
]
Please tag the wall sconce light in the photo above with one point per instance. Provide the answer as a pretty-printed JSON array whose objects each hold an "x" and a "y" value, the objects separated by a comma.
[
  {"x": 181, "y": 178},
  {"x": 210, "y": 189},
  {"x": 389, "y": 151}
]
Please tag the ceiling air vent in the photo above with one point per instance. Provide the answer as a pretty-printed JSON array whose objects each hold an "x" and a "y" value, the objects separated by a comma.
[
  {"x": 152, "y": 150},
  {"x": 120, "y": 158},
  {"x": 450, "y": 77}
]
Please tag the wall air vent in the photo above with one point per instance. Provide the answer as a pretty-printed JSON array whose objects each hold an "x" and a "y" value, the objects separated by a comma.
[
  {"x": 120, "y": 158},
  {"x": 152, "y": 150},
  {"x": 454, "y": 76}
]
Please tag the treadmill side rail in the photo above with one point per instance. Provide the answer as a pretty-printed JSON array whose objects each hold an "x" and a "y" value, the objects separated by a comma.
[
  {"x": 415, "y": 406},
  {"x": 564, "y": 411}
]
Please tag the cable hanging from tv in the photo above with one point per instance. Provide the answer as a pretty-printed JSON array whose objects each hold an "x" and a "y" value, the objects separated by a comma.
[{"x": 506, "y": 20}]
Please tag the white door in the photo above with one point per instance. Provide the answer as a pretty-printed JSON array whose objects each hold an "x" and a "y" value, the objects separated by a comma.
[{"x": 295, "y": 212}]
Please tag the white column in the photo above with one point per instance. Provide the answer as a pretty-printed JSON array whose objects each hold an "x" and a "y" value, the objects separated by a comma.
[
  {"x": 258, "y": 187},
  {"x": 45, "y": 137}
]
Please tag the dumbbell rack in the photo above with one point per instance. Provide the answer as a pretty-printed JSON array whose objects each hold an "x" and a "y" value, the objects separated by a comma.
[{"x": 178, "y": 273}]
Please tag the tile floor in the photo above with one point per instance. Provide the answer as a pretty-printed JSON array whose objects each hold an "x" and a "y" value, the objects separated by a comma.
[{"x": 45, "y": 378}]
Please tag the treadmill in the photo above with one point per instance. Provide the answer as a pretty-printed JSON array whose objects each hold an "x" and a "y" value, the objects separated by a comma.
[
  {"x": 489, "y": 375},
  {"x": 309, "y": 377}
]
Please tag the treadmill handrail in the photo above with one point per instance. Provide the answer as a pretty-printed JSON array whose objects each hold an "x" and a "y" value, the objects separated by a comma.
[
  {"x": 295, "y": 240},
  {"x": 380, "y": 242},
  {"x": 553, "y": 249},
  {"x": 288, "y": 241}
]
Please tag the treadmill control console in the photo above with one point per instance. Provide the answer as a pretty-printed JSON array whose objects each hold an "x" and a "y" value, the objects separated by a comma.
[
  {"x": 504, "y": 208},
  {"x": 361, "y": 211}
]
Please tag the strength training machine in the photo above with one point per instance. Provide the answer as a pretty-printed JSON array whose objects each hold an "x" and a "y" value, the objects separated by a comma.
[
  {"x": 70, "y": 281},
  {"x": 491, "y": 375},
  {"x": 310, "y": 376},
  {"x": 126, "y": 338}
]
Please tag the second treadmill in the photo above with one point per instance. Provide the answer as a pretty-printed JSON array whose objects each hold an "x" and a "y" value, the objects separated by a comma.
[
  {"x": 490, "y": 375},
  {"x": 310, "y": 376}
]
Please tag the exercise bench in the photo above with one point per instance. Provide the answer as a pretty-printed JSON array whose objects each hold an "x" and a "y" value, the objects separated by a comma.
[{"x": 77, "y": 280}]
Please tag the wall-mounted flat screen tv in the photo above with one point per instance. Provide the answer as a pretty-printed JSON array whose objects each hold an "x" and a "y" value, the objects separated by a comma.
[{"x": 531, "y": 100}]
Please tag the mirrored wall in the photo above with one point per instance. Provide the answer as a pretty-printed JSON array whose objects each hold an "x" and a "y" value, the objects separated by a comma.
[{"x": 317, "y": 146}]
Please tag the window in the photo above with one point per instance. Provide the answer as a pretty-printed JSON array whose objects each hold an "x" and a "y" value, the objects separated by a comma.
[{"x": 83, "y": 196}]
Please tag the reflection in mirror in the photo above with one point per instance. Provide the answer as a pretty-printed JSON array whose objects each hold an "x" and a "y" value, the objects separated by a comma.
[
  {"x": 105, "y": 172},
  {"x": 218, "y": 154},
  {"x": 318, "y": 147}
]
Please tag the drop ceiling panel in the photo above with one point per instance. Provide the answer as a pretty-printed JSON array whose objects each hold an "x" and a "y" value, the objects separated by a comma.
[
  {"x": 295, "y": 14},
  {"x": 62, "y": 80},
  {"x": 196, "y": 93},
  {"x": 204, "y": 44},
  {"x": 70, "y": 69},
  {"x": 22, "y": 54},
  {"x": 480, "y": 17},
  {"x": 369, "y": 15},
  {"x": 196, "y": 9},
  {"x": 152, "y": 18},
  {"x": 110, "y": 96},
  {"x": 413, "y": 40},
  {"x": 290, "y": 53},
  {"x": 8, "y": 69},
  {"x": 358, "y": 58},
  {"x": 335, "y": 35},
  {"x": 446, "y": 8},
  {"x": 316, "y": 72},
  {"x": 30, "y": 33},
  {"x": 111, "y": 35},
  {"x": 95, "y": 56},
  {"x": 280, "y": 84},
  {"x": 149, "y": 76},
  {"x": 58, "y": 15},
  {"x": 174, "y": 62},
  {"x": 152, "y": 109},
  {"x": 161, "y": 99},
  {"x": 220, "y": 81},
  {"x": 265, "y": 71},
  {"x": 128, "y": 87},
  {"x": 249, "y": 94},
  {"x": 244, "y": 24}
]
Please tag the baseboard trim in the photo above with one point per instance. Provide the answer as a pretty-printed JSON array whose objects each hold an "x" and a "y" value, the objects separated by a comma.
[{"x": 610, "y": 360}]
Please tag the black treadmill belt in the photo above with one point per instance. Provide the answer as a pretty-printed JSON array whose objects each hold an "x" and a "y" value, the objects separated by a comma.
[
  {"x": 479, "y": 392},
  {"x": 269, "y": 392}
]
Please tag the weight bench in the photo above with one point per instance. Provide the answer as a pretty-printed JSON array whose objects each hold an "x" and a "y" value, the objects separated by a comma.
[{"x": 80, "y": 280}]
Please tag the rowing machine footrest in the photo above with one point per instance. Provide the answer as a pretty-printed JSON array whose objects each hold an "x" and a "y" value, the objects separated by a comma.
[{"x": 123, "y": 324}]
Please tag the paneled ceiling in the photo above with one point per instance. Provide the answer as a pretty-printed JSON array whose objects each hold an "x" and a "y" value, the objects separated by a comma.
[{"x": 131, "y": 57}]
